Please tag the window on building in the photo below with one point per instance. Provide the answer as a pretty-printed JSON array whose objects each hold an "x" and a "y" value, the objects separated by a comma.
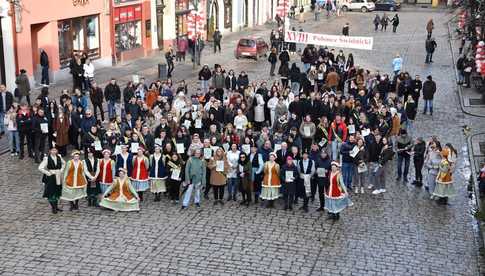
[
  {"x": 227, "y": 14},
  {"x": 128, "y": 35}
]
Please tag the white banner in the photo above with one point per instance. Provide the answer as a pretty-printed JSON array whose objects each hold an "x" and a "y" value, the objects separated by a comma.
[{"x": 338, "y": 41}]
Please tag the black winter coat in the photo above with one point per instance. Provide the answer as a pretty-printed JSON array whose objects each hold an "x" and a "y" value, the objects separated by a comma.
[{"x": 429, "y": 88}]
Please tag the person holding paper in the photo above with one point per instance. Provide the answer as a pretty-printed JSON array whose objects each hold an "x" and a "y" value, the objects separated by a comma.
[
  {"x": 40, "y": 131},
  {"x": 347, "y": 152},
  {"x": 218, "y": 167},
  {"x": 106, "y": 171},
  {"x": 195, "y": 170},
  {"x": 75, "y": 182},
  {"x": 404, "y": 146},
  {"x": 174, "y": 165},
  {"x": 121, "y": 196},
  {"x": 336, "y": 196},
  {"x": 386, "y": 154},
  {"x": 257, "y": 165},
  {"x": 306, "y": 169},
  {"x": 232, "y": 177},
  {"x": 322, "y": 173},
  {"x": 289, "y": 176},
  {"x": 124, "y": 160},
  {"x": 244, "y": 171},
  {"x": 307, "y": 132},
  {"x": 52, "y": 167},
  {"x": 240, "y": 121},
  {"x": 207, "y": 153},
  {"x": 61, "y": 132},
  {"x": 157, "y": 173},
  {"x": 271, "y": 181},
  {"x": 361, "y": 172},
  {"x": 140, "y": 172},
  {"x": 91, "y": 165}
]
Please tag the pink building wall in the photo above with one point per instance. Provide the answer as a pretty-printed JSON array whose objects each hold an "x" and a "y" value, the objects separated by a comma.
[{"x": 44, "y": 16}]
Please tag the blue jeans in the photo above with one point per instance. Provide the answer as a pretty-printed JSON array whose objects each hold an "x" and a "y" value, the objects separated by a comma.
[
  {"x": 188, "y": 194},
  {"x": 461, "y": 77},
  {"x": 336, "y": 149},
  {"x": 2, "y": 122},
  {"x": 306, "y": 66},
  {"x": 111, "y": 109},
  {"x": 295, "y": 88},
  {"x": 428, "y": 104},
  {"x": 347, "y": 173},
  {"x": 410, "y": 127},
  {"x": 232, "y": 186},
  {"x": 204, "y": 86},
  {"x": 13, "y": 138},
  {"x": 400, "y": 160}
]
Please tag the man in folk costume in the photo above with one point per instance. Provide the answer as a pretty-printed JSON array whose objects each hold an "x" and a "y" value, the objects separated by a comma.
[
  {"x": 121, "y": 196},
  {"x": 139, "y": 174},
  {"x": 158, "y": 173},
  {"x": 306, "y": 169},
  {"x": 271, "y": 181},
  {"x": 124, "y": 160},
  {"x": 91, "y": 166},
  {"x": 444, "y": 181},
  {"x": 106, "y": 171},
  {"x": 257, "y": 165},
  {"x": 75, "y": 183},
  {"x": 52, "y": 167},
  {"x": 336, "y": 196}
]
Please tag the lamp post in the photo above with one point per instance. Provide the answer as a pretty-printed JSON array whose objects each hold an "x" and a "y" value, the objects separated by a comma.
[
  {"x": 160, "y": 6},
  {"x": 195, "y": 3}
]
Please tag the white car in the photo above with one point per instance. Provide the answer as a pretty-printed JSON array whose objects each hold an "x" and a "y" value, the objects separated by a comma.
[{"x": 358, "y": 5}]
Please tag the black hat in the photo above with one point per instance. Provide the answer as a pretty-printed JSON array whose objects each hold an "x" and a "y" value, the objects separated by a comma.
[{"x": 429, "y": 77}]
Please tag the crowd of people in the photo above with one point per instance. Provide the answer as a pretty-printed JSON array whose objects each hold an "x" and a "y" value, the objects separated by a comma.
[{"x": 323, "y": 130}]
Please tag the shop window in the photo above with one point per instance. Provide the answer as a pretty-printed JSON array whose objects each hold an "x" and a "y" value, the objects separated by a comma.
[
  {"x": 78, "y": 35},
  {"x": 128, "y": 36},
  {"x": 148, "y": 28}
]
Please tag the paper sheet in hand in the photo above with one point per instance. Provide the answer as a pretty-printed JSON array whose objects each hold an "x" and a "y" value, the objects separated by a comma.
[
  {"x": 180, "y": 148},
  {"x": 354, "y": 151},
  {"x": 289, "y": 176},
  {"x": 175, "y": 174},
  {"x": 219, "y": 166},
  {"x": 198, "y": 123},
  {"x": 351, "y": 129},
  {"x": 277, "y": 147},
  {"x": 321, "y": 172},
  {"x": 117, "y": 150},
  {"x": 306, "y": 131},
  {"x": 97, "y": 145},
  {"x": 158, "y": 141},
  {"x": 134, "y": 147},
  {"x": 246, "y": 148},
  {"x": 44, "y": 127},
  {"x": 365, "y": 132},
  {"x": 207, "y": 153}
]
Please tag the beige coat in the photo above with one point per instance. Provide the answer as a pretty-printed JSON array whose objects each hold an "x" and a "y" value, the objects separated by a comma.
[{"x": 218, "y": 178}]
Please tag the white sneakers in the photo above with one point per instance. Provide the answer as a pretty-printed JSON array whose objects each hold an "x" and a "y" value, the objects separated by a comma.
[
  {"x": 378, "y": 191},
  {"x": 362, "y": 190},
  {"x": 370, "y": 186}
]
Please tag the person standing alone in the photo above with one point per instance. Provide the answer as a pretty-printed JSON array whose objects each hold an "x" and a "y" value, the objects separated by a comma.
[
  {"x": 346, "y": 29},
  {"x": 430, "y": 47},
  {"x": 44, "y": 63},
  {"x": 395, "y": 23},
  {"x": 217, "y": 40},
  {"x": 429, "y": 88}
]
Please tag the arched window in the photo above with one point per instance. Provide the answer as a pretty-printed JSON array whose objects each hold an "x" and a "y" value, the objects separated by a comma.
[{"x": 227, "y": 14}]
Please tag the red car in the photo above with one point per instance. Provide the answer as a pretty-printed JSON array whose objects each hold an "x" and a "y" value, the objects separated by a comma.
[{"x": 253, "y": 47}]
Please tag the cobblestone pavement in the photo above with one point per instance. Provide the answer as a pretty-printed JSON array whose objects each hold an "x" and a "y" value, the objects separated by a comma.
[{"x": 400, "y": 232}]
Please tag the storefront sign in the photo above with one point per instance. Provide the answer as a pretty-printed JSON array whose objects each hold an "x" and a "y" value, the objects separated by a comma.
[
  {"x": 127, "y": 14},
  {"x": 80, "y": 2},
  {"x": 339, "y": 41}
]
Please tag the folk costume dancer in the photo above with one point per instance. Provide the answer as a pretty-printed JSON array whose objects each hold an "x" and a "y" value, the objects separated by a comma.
[
  {"x": 444, "y": 180},
  {"x": 75, "y": 183},
  {"x": 52, "y": 167},
  {"x": 139, "y": 174},
  {"x": 336, "y": 196},
  {"x": 158, "y": 173},
  {"x": 124, "y": 160},
  {"x": 106, "y": 174},
  {"x": 257, "y": 165},
  {"x": 91, "y": 165},
  {"x": 306, "y": 169},
  {"x": 121, "y": 196},
  {"x": 271, "y": 181}
]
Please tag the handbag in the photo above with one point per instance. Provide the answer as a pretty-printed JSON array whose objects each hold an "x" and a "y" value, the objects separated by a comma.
[{"x": 362, "y": 168}]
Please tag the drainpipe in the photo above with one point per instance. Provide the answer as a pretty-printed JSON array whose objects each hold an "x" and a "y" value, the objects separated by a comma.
[
  {"x": 14, "y": 32},
  {"x": 112, "y": 32}
]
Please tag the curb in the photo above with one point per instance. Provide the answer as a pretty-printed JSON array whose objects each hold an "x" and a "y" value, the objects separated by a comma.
[
  {"x": 459, "y": 88},
  {"x": 475, "y": 186}
]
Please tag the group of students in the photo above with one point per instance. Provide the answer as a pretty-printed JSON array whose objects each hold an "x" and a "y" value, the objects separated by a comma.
[{"x": 323, "y": 130}]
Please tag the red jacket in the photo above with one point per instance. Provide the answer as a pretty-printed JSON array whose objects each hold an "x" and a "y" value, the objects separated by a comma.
[{"x": 334, "y": 127}]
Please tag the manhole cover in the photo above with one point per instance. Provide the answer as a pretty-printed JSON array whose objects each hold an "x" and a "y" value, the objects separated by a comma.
[
  {"x": 475, "y": 101},
  {"x": 481, "y": 145}
]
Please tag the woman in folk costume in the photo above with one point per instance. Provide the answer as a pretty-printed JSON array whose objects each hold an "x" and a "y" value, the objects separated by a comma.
[
  {"x": 121, "y": 196},
  {"x": 75, "y": 183},
  {"x": 106, "y": 174},
  {"x": 124, "y": 160},
  {"x": 444, "y": 180},
  {"x": 336, "y": 196},
  {"x": 271, "y": 181},
  {"x": 157, "y": 173},
  {"x": 139, "y": 174},
  {"x": 52, "y": 167},
  {"x": 91, "y": 166}
]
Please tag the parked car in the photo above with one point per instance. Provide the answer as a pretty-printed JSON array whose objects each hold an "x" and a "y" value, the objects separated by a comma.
[
  {"x": 358, "y": 5},
  {"x": 387, "y": 5},
  {"x": 253, "y": 47}
]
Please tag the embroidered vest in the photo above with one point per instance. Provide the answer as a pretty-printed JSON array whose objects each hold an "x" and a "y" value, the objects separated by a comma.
[{"x": 105, "y": 174}]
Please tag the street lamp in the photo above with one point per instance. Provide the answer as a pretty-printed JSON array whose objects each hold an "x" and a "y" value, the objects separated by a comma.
[{"x": 195, "y": 3}]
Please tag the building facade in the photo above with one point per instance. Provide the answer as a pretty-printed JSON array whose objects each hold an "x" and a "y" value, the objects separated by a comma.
[
  {"x": 7, "y": 53},
  {"x": 77, "y": 26}
]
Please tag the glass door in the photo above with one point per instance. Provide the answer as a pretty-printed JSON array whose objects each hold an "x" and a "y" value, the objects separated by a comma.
[{"x": 65, "y": 42}]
